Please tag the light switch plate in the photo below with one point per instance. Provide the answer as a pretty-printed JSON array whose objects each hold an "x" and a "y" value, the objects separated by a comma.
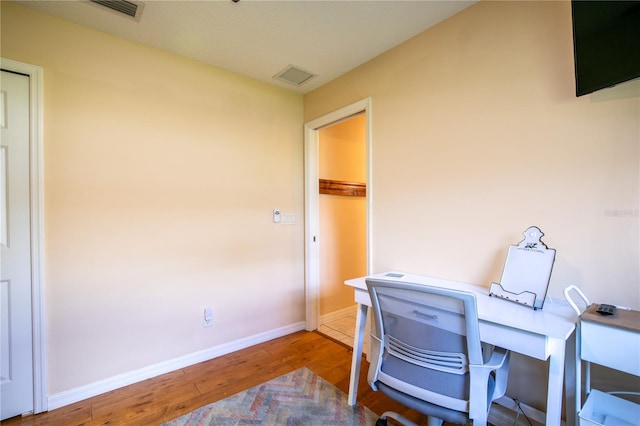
[{"x": 288, "y": 219}]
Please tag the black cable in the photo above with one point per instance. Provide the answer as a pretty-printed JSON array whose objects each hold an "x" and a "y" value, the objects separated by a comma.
[{"x": 522, "y": 411}]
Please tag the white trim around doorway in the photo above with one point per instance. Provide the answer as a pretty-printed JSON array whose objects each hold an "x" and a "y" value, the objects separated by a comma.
[
  {"x": 35, "y": 73},
  {"x": 312, "y": 256}
]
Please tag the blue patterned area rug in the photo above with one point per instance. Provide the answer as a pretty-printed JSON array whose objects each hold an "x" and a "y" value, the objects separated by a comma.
[{"x": 298, "y": 398}]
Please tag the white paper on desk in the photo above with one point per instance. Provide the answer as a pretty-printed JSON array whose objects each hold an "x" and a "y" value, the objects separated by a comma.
[{"x": 528, "y": 270}]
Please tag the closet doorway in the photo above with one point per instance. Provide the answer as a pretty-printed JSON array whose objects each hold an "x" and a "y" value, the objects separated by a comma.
[
  {"x": 337, "y": 204},
  {"x": 343, "y": 218}
]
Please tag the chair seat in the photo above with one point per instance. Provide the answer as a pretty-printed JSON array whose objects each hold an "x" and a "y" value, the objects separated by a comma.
[
  {"x": 449, "y": 415},
  {"x": 424, "y": 407}
]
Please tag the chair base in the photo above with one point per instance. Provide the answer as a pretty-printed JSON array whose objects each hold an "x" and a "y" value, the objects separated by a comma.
[{"x": 382, "y": 421}]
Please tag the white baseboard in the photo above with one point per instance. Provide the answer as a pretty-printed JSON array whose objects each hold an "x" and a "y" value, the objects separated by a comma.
[
  {"x": 92, "y": 389},
  {"x": 503, "y": 411},
  {"x": 351, "y": 310}
]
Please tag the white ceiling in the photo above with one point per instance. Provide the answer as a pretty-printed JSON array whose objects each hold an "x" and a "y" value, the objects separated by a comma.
[{"x": 259, "y": 38}]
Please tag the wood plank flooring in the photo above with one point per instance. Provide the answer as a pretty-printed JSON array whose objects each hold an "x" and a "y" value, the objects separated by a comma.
[{"x": 165, "y": 397}]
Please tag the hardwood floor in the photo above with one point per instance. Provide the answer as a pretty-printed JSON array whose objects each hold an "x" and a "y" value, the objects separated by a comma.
[{"x": 163, "y": 398}]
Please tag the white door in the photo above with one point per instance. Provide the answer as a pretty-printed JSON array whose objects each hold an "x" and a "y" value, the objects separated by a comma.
[{"x": 16, "y": 345}]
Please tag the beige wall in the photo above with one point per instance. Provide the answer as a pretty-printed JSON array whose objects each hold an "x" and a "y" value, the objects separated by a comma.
[
  {"x": 343, "y": 237},
  {"x": 161, "y": 175},
  {"x": 160, "y": 179},
  {"x": 477, "y": 134}
]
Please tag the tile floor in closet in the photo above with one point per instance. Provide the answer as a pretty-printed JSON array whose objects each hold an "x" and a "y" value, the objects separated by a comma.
[{"x": 341, "y": 328}]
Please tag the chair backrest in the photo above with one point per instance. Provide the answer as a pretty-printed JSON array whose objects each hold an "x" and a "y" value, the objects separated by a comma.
[{"x": 424, "y": 339}]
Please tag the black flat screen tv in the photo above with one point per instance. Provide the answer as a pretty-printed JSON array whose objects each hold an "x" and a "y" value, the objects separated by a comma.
[{"x": 606, "y": 43}]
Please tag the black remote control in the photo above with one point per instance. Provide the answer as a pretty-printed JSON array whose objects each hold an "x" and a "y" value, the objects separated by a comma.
[{"x": 606, "y": 309}]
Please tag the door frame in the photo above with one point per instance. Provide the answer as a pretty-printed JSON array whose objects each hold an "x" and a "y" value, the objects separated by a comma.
[
  {"x": 36, "y": 185},
  {"x": 312, "y": 215}
]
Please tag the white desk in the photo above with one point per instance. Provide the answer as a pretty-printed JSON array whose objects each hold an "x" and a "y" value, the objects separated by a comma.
[{"x": 541, "y": 334}]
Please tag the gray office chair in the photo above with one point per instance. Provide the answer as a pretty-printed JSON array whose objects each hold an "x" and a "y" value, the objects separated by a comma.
[{"x": 426, "y": 353}]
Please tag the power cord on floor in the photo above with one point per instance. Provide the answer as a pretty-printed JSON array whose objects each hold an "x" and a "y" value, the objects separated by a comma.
[{"x": 520, "y": 410}]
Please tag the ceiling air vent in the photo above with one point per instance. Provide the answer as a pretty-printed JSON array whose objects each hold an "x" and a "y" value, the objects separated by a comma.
[
  {"x": 128, "y": 8},
  {"x": 294, "y": 75}
]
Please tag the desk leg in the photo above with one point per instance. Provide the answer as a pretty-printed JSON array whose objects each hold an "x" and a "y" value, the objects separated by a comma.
[
  {"x": 358, "y": 340},
  {"x": 556, "y": 380},
  {"x": 570, "y": 388}
]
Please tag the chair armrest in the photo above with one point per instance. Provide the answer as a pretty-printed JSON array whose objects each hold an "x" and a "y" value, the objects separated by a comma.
[
  {"x": 498, "y": 357},
  {"x": 500, "y": 362}
]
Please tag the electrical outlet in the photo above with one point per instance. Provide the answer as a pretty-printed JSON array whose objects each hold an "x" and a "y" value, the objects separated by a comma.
[{"x": 208, "y": 318}]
